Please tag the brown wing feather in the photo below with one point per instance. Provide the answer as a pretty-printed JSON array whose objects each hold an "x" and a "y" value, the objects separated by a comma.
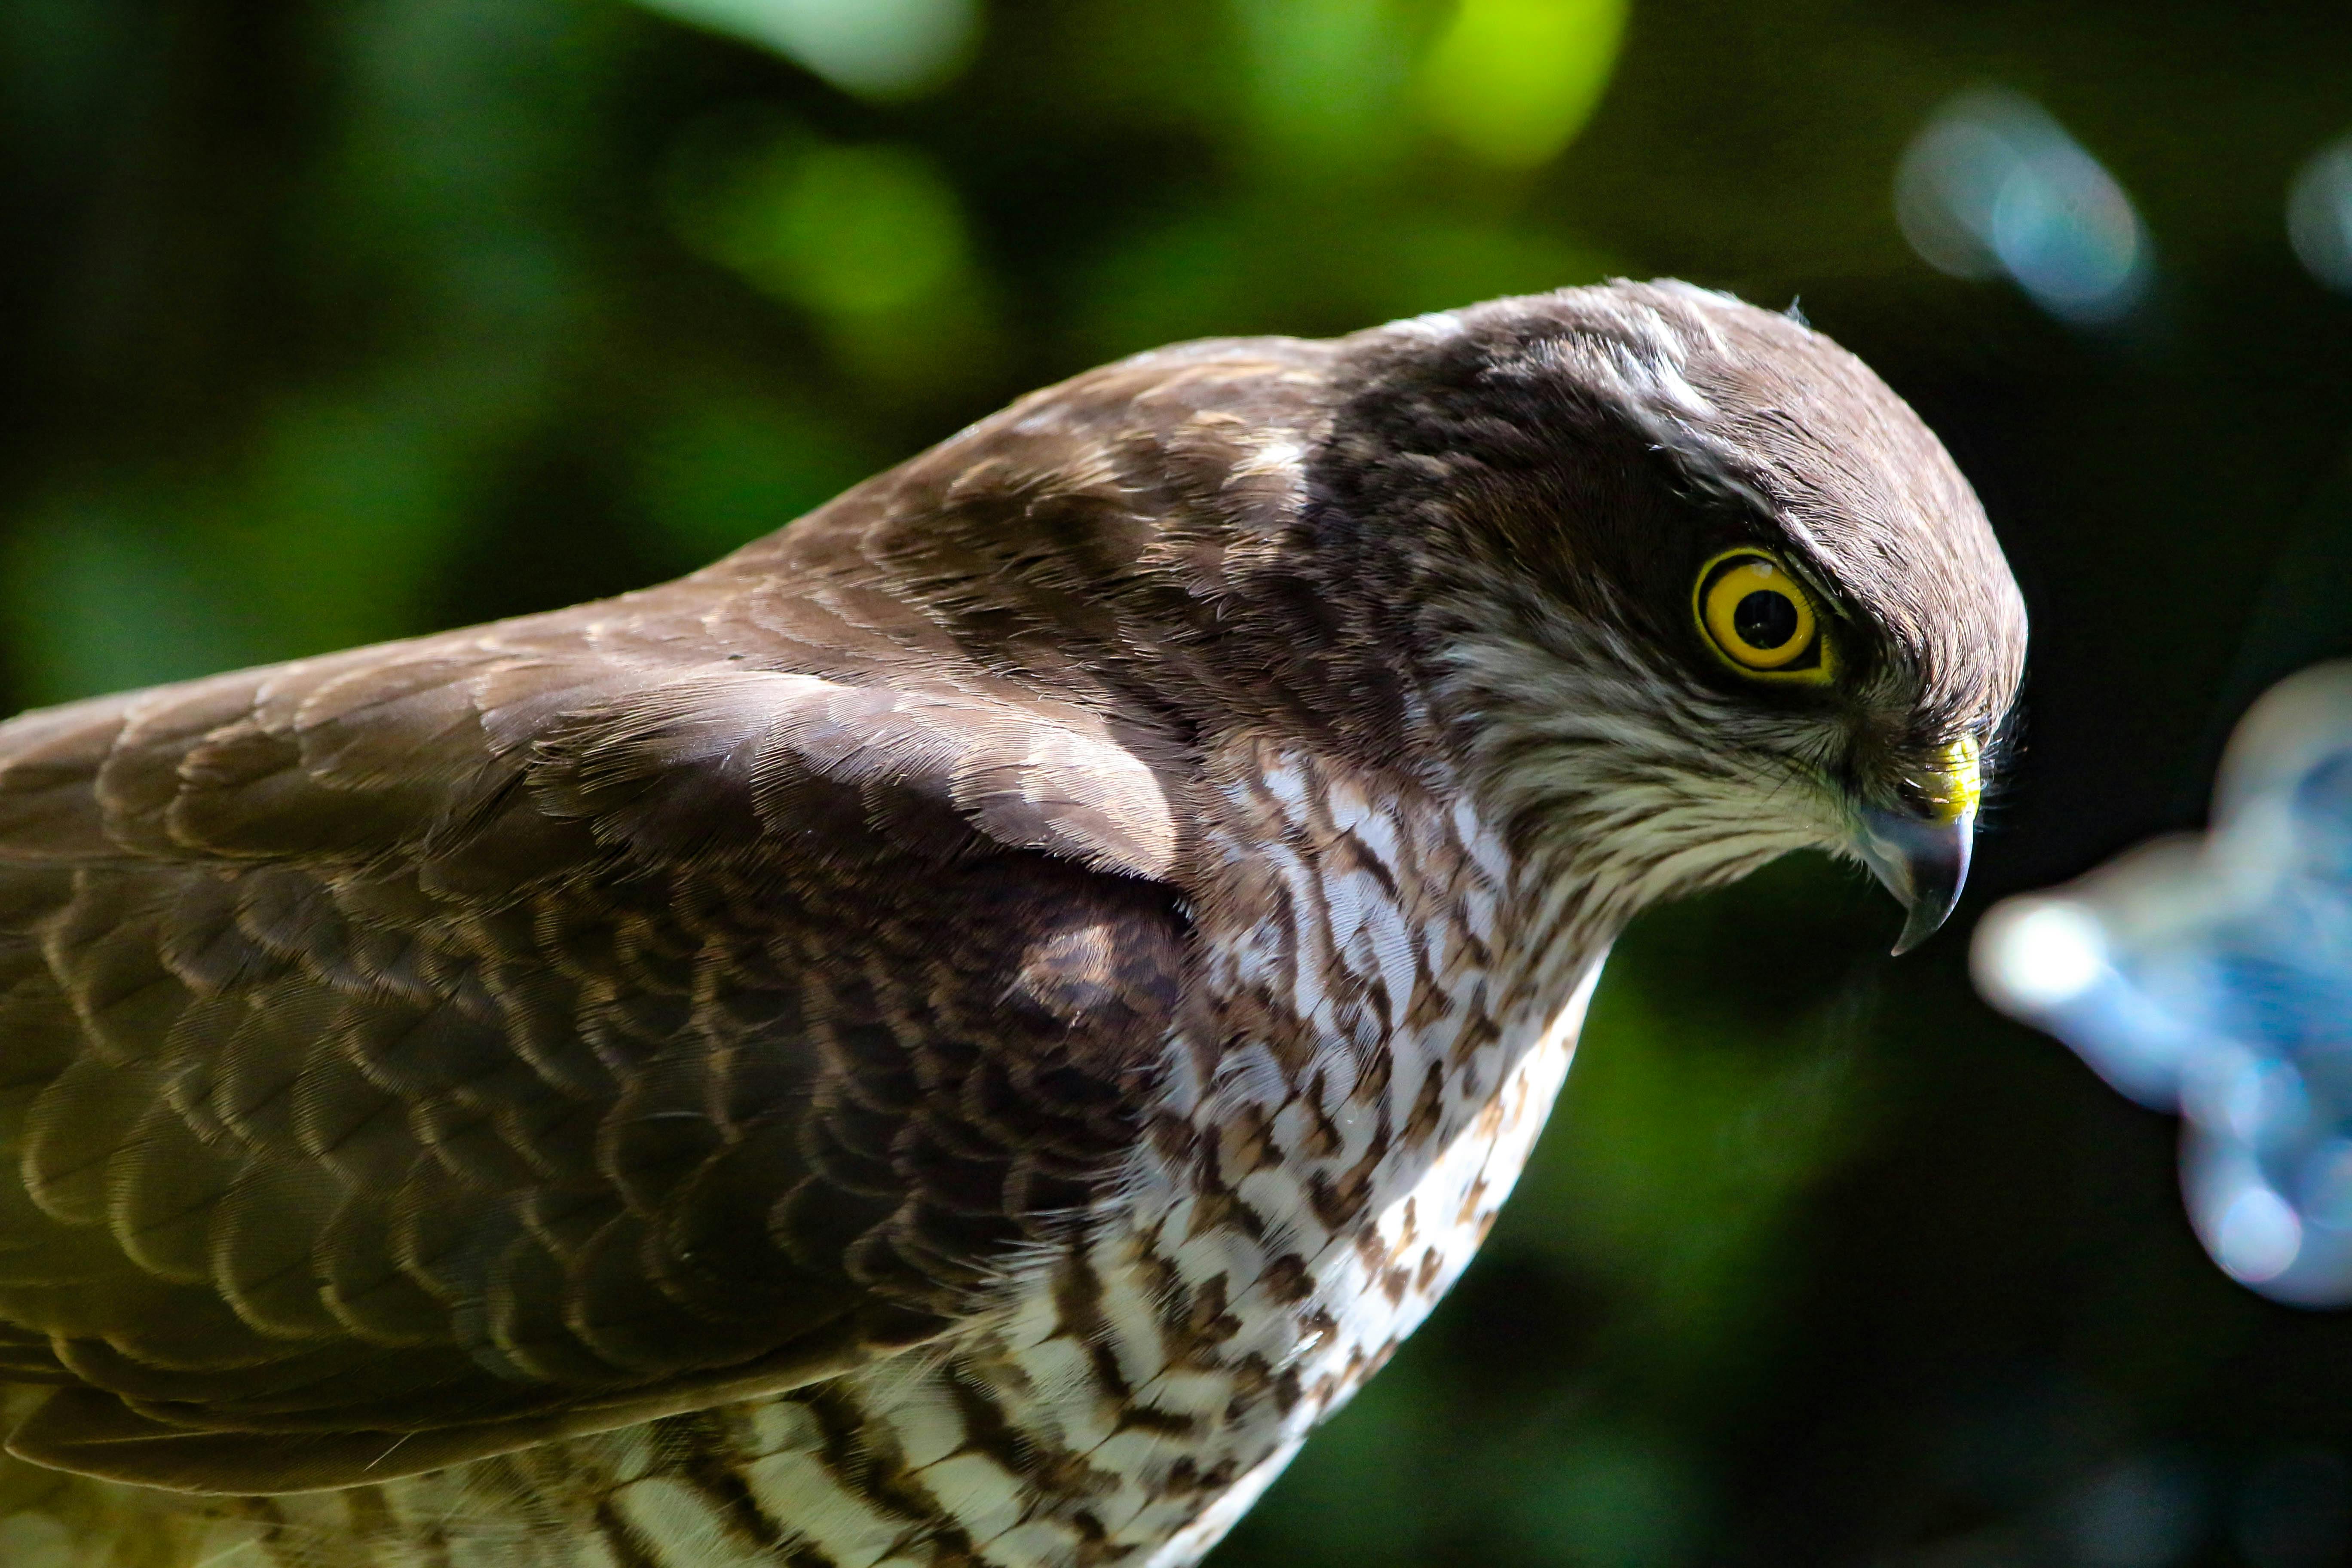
[{"x": 425, "y": 1051}]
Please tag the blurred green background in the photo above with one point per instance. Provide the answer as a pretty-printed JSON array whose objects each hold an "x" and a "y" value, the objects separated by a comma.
[{"x": 326, "y": 322}]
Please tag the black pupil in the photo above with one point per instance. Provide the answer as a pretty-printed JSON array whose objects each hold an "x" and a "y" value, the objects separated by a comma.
[{"x": 1765, "y": 619}]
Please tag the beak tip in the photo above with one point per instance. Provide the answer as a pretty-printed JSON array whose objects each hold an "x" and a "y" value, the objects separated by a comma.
[
  {"x": 1917, "y": 928},
  {"x": 1923, "y": 864}
]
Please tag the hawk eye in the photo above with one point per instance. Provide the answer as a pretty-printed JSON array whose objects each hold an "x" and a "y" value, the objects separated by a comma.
[{"x": 1760, "y": 618}]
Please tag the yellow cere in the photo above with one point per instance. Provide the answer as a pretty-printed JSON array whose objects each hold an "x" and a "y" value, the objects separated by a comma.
[
  {"x": 1760, "y": 618},
  {"x": 1955, "y": 783}
]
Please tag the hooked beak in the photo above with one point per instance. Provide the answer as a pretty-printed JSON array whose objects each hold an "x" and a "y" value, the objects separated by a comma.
[{"x": 1920, "y": 850}]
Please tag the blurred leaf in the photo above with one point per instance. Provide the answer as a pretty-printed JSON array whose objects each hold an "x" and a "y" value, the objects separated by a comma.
[
  {"x": 1327, "y": 76},
  {"x": 875, "y": 48},
  {"x": 1704, "y": 1153},
  {"x": 1717, "y": 1082},
  {"x": 722, "y": 474},
  {"x": 869, "y": 239},
  {"x": 1438, "y": 262},
  {"x": 462, "y": 117},
  {"x": 100, "y": 598},
  {"x": 1514, "y": 80},
  {"x": 349, "y": 512},
  {"x": 1602, "y": 1499},
  {"x": 1365, "y": 1491},
  {"x": 331, "y": 539},
  {"x": 1187, "y": 278},
  {"x": 55, "y": 56},
  {"x": 845, "y": 230},
  {"x": 1276, "y": 268}
]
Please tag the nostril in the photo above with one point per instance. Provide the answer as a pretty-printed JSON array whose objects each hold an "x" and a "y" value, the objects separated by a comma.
[{"x": 1947, "y": 785}]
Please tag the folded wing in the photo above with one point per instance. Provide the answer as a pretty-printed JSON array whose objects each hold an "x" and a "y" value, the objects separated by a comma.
[{"x": 415, "y": 1054}]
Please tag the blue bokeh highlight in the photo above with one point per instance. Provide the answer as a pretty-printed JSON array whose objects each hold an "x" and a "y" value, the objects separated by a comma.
[{"x": 2212, "y": 977}]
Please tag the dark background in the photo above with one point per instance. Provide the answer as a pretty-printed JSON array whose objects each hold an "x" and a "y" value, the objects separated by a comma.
[{"x": 323, "y": 322}]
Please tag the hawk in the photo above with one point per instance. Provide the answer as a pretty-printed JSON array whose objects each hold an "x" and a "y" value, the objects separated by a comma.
[{"x": 957, "y": 1034}]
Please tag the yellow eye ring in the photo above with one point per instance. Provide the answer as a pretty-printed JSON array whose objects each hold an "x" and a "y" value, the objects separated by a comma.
[{"x": 1759, "y": 619}]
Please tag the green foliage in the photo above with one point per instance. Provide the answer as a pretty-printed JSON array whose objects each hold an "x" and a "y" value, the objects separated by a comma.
[
  {"x": 1515, "y": 80},
  {"x": 331, "y": 322},
  {"x": 721, "y": 472},
  {"x": 869, "y": 240},
  {"x": 882, "y": 49}
]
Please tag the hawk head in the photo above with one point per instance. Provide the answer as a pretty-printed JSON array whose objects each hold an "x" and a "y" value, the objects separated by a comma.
[{"x": 1692, "y": 585}]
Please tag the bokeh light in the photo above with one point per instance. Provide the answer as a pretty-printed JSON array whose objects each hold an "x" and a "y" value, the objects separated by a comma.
[
  {"x": 1514, "y": 80},
  {"x": 2319, "y": 214},
  {"x": 876, "y": 48},
  {"x": 869, "y": 239},
  {"x": 2214, "y": 977},
  {"x": 1993, "y": 186}
]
